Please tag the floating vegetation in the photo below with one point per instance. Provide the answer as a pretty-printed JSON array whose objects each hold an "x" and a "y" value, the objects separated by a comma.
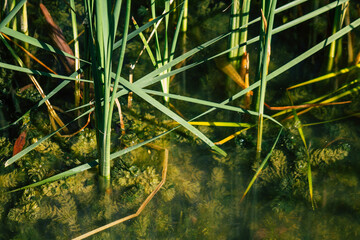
[{"x": 327, "y": 156}]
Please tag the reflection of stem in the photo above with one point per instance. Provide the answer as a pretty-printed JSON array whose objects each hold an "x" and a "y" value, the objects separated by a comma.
[
  {"x": 122, "y": 125},
  {"x": 142, "y": 206},
  {"x": 349, "y": 35},
  {"x": 131, "y": 80}
]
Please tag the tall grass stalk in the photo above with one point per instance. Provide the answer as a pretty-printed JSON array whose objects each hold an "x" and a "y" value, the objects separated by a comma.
[
  {"x": 103, "y": 20},
  {"x": 270, "y": 13},
  {"x": 162, "y": 60},
  {"x": 24, "y": 26},
  {"x": 335, "y": 47},
  {"x": 76, "y": 51},
  {"x": 245, "y": 12},
  {"x": 185, "y": 18},
  {"x": 235, "y": 32}
]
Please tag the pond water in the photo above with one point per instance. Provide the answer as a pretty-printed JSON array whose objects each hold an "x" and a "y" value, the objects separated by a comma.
[{"x": 202, "y": 197}]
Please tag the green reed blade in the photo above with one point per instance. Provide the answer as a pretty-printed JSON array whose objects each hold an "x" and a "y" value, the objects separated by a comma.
[
  {"x": 76, "y": 52},
  {"x": 208, "y": 103},
  {"x": 36, "y": 72},
  {"x": 302, "y": 56},
  {"x": 177, "y": 31},
  {"x": 311, "y": 51},
  {"x": 264, "y": 69},
  {"x": 37, "y": 43},
  {"x": 168, "y": 112}
]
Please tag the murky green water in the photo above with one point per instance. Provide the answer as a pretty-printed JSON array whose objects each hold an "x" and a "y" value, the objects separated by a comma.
[{"x": 202, "y": 195}]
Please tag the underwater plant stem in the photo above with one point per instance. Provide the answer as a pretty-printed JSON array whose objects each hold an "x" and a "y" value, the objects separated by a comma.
[{"x": 142, "y": 206}]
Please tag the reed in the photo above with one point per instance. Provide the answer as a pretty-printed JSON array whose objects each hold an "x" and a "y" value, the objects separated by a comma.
[{"x": 265, "y": 59}]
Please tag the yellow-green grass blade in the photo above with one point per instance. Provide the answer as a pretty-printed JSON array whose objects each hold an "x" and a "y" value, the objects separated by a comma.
[
  {"x": 309, "y": 175},
  {"x": 220, "y": 124},
  {"x": 326, "y": 76},
  {"x": 147, "y": 47},
  {"x": 258, "y": 171}
]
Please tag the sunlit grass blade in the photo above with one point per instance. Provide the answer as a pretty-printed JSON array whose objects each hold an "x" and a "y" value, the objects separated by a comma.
[
  {"x": 151, "y": 77},
  {"x": 275, "y": 73},
  {"x": 309, "y": 174},
  {"x": 147, "y": 47},
  {"x": 300, "y": 58},
  {"x": 258, "y": 171},
  {"x": 326, "y": 76},
  {"x": 216, "y": 124}
]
